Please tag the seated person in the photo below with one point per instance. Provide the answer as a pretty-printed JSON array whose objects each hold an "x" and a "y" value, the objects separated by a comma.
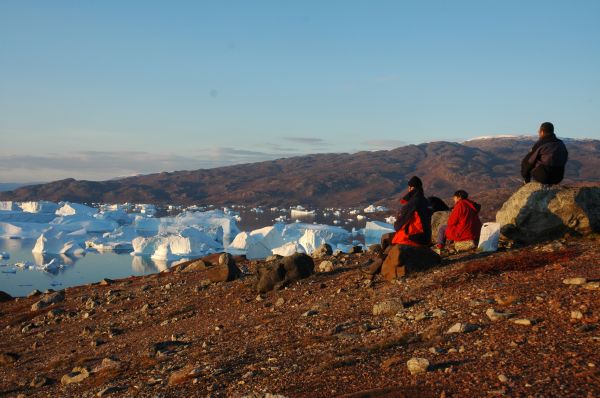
[
  {"x": 463, "y": 226},
  {"x": 546, "y": 161},
  {"x": 413, "y": 224}
]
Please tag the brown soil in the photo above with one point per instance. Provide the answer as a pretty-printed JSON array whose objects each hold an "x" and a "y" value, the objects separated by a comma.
[{"x": 223, "y": 340}]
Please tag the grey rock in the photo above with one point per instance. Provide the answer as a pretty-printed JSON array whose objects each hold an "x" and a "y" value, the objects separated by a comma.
[
  {"x": 388, "y": 307},
  {"x": 536, "y": 213},
  {"x": 417, "y": 365},
  {"x": 48, "y": 300}
]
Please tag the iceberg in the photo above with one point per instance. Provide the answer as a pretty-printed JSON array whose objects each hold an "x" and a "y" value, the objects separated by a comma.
[
  {"x": 56, "y": 241},
  {"x": 24, "y": 217},
  {"x": 117, "y": 241},
  {"x": 189, "y": 242},
  {"x": 299, "y": 213},
  {"x": 288, "y": 249},
  {"x": 311, "y": 236},
  {"x": 258, "y": 243},
  {"x": 374, "y": 230},
  {"x": 87, "y": 223},
  {"x": 71, "y": 209},
  {"x": 39, "y": 207},
  {"x": 8, "y": 206},
  {"x": 21, "y": 230},
  {"x": 375, "y": 209},
  {"x": 4, "y": 256}
]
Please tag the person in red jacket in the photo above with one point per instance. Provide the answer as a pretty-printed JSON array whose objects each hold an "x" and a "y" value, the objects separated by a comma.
[{"x": 463, "y": 225}]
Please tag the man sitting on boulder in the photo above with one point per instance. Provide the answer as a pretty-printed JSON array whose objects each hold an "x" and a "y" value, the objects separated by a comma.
[
  {"x": 413, "y": 224},
  {"x": 463, "y": 226},
  {"x": 546, "y": 161}
]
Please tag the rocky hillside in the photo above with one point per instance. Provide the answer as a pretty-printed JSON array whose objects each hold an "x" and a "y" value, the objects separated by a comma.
[
  {"x": 487, "y": 168},
  {"x": 515, "y": 323}
]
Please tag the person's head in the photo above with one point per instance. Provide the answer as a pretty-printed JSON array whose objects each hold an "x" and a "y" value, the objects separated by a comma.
[
  {"x": 546, "y": 129},
  {"x": 459, "y": 195},
  {"x": 415, "y": 183}
]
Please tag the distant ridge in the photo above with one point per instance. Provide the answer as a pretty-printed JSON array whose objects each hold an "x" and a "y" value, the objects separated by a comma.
[{"x": 486, "y": 168}]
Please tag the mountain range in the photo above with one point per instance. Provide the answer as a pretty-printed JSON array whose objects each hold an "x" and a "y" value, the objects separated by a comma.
[{"x": 488, "y": 168}]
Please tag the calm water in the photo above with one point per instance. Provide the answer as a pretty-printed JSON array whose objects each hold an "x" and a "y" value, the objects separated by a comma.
[{"x": 94, "y": 266}]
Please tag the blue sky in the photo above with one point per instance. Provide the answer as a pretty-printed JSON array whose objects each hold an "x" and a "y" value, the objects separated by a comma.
[{"x": 111, "y": 88}]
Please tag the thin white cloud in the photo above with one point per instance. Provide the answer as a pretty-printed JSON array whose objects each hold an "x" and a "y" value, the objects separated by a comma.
[{"x": 102, "y": 165}]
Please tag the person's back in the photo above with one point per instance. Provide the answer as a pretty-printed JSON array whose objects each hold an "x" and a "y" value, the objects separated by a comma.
[{"x": 546, "y": 161}]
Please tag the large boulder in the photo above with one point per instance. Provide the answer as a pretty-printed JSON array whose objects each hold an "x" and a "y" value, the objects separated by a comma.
[
  {"x": 438, "y": 219},
  {"x": 279, "y": 273},
  {"x": 537, "y": 213},
  {"x": 402, "y": 260}
]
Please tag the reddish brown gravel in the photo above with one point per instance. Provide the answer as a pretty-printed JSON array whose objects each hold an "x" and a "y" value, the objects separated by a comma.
[{"x": 169, "y": 335}]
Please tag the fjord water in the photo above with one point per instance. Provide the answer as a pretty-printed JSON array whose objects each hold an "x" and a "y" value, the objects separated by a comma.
[{"x": 95, "y": 266}]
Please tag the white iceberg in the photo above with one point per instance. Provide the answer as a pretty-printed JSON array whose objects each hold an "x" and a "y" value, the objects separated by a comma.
[
  {"x": 311, "y": 236},
  {"x": 288, "y": 249},
  {"x": 4, "y": 256},
  {"x": 8, "y": 205},
  {"x": 189, "y": 242},
  {"x": 21, "y": 230},
  {"x": 375, "y": 209},
  {"x": 118, "y": 240},
  {"x": 374, "y": 230},
  {"x": 24, "y": 217},
  {"x": 71, "y": 209},
  {"x": 258, "y": 243},
  {"x": 87, "y": 223},
  {"x": 55, "y": 241},
  {"x": 39, "y": 207},
  {"x": 299, "y": 213}
]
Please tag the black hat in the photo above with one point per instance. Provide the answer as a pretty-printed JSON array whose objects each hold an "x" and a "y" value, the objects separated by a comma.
[{"x": 415, "y": 182}]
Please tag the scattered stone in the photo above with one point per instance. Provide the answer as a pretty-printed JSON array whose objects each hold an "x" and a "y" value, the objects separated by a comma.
[
  {"x": 502, "y": 378},
  {"x": 109, "y": 390},
  {"x": 48, "y": 300},
  {"x": 417, "y": 365},
  {"x": 280, "y": 301},
  {"x": 5, "y": 297},
  {"x": 523, "y": 322},
  {"x": 106, "y": 282},
  {"x": 39, "y": 381},
  {"x": 322, "y": 251},
  {"x": 325, "y": 266},
  {"x": 402, "y": 260},
  {"x": 462, "y": 328},
  {"x": 8, "y": 358},
  {"x": 388, "y": 307},
  {"x": 496, "y": 316},
  {"x": 276, "y": 275},
  {"x": 592, "y": 286},
  {"x": 576, "y": 315},
  {"x": 78, "y": 374},
  {"x": 310, "y": 313},
  {"x": 574, "y": 281},
  {"x": 355, "y": 250},
  {"x": 34, "y": 293}
]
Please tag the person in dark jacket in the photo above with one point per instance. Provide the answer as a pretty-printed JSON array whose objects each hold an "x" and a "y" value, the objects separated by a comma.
[
  {"x": 413, "y": 224},
  {"x": 464, "y": 225},
  {"x": 546, "y": 161}
]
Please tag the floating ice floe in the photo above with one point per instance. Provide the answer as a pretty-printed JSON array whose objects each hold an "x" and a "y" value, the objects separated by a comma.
[
  {"x": 51, "y": 267},
  {"x": 375, "y": 209},
  {"x": 300, "y": 211},
  {"x": 4, "y": 256},
  {"x": 374, "y": 230},
  {"x": 56, "y": 241}
]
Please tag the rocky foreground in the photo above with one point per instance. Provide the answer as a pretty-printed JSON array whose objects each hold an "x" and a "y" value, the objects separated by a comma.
[{"x": 523, "y": 322}]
